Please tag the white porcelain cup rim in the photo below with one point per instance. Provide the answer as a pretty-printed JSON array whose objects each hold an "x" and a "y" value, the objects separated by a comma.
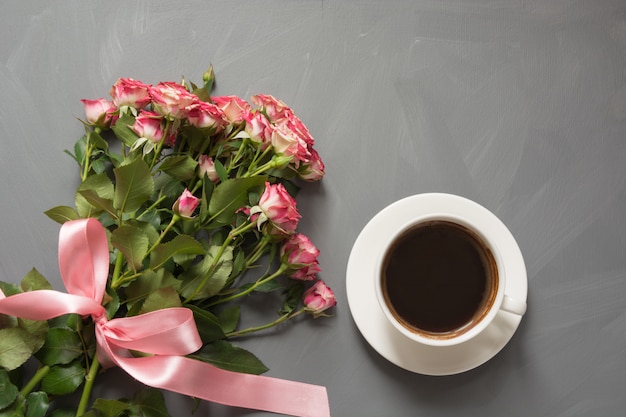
[{"x": 502, "y": 302}]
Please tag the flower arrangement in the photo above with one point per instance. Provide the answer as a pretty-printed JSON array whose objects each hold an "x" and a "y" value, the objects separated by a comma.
[{"x": 186, "y": 207}]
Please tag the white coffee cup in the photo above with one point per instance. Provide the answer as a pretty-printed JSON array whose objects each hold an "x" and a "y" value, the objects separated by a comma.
[{"x": 494, "y": 301}]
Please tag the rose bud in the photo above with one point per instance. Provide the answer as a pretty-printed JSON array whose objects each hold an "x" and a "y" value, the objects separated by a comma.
[
  {"x": 279, "y": 208},
  {"x": 300, "y": 255},
  {"x": 318, "y": 299},
  {"x": 186, "y": 204},
  {"x": 149, "y": 125},
  {"x": 99, "y": 112},
  {"x": 206, "y": 166}
]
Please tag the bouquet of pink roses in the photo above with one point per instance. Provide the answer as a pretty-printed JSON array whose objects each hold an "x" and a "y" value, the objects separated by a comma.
[{"x": 185, "y": 208}]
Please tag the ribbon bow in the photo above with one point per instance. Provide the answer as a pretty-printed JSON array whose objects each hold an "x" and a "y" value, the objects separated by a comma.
[{"x": 167, "y": 334}]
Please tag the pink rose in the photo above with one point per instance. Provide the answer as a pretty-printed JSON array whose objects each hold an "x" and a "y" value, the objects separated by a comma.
[
  {"x": 233, "y": 107},
  {"x": 258, "y": 128},
  {"x": 206, "y": 166},
  {"x": 286, "y": 142},
  {"x": 274, "y": 108},
  {"x": 298, "y": 127},
  {"x": 318, "y": 299},
  {"x": 314, "y": 169},
  {"x": 299, "y": 253},
  {"x": 186, "y": 204},
  {"x": 151, "y": 126},
  {"x": 171, "y": 99},
  {"x": 206, "y": 115},
  {"x": 99, "y": 112},
  {"x": 277, "y": 207},
  {"x": 129, "y": 92}
]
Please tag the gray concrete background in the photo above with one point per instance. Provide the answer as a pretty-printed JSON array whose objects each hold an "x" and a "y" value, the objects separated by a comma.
[{"x": 518, "y": 105}]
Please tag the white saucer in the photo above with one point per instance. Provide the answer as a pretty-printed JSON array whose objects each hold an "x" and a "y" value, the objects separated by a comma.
[{"x": 388, "y": 341}]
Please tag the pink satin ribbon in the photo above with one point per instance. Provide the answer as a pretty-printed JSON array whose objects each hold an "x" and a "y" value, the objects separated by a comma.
[{"x": 168, "y": 334}]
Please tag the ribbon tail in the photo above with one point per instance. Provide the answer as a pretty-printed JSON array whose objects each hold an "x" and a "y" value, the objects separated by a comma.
[
  {"x": 47, "y": 304},
  {"x": 202, "y": 380}
]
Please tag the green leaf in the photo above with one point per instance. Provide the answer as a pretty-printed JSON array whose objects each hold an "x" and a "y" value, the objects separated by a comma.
[
  {"x": 110, "y": 408},
  {"x": 16, "y": 411},
  {"x": 293, "y": 295},
  {"x": 207, "y": 192},
  {"x": 99, "y": 203},
  {"x": 208, "y": 324},
  {"x": 101, "y": 185},
  {"x": 37, "y": 404},
  {"x": 113, "y": 304},
  {"x": 210, "y": 275},
  {"x": 149, "y": 282},
  {"x": 33, "y": 280},
  {"x": 8, "y": 391},
  {"x": 182, "y": 167},
  {"x": 227, "y": 356},
  {"x": 63, "y": 379},
  {"x": 123, "y": 131},
  {"x": 229, "y": 318},
  {"x": 62, "y": 214},
  {"x": 148, "y": 222},
  {"x": 134, "y": 186},
  {"x": 220, "y": 170},
  {"x": 94, "y": 139},
  {"x": 231, "y": 195},
  {"x": 15, "y": 347},
  {"x": 37, "y": 330},
  {"x": 149, "y": 402},
  {"x": 269, "y": 286},
  {"x": 132, "y": 242},
  {"x": 70, "y": 413},
  {"x": 181, "y": 244},
  {"x": 9, "y": 289},
  {"x": 61, "y": 347},
  {"x": 80, "y": 148},
  {"x": 162, "y": 298},
  {"x": 67, "y": 321}
]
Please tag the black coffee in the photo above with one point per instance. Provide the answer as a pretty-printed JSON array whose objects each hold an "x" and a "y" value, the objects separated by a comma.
[{"x": 438, "y": 277}]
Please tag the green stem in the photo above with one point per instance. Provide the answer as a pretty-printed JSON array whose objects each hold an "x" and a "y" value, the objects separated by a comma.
[
  {"x": 233, "y": 233},
  {"x": 41, "y": 372},
  {"x": 119, "y": 261},
  {"x": 211, "y": 268},
  {"x": 253, "y": 329},
  {"x": 156, "y": 203},
  {"x": 271, "y": 164},
  {"x": 175, "y": 218},
  {"x": 159, "y": 148},
  {"x": 237, "y": 156},
  {"x": 89, "y": 381},
  {"x": 257, "y": 252},
  {"x": 252, "y": 287},
  {"x": 86, "y": 165},
  {"x": 258, "y": 158}
]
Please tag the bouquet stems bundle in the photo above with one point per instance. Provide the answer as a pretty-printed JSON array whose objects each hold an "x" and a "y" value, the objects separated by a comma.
[{"x": 196, "y": 195}]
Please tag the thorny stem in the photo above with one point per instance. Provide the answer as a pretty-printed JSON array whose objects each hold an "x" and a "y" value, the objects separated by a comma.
[
  {"x": 175, "y": 218},
  {"x": 119, "y": 261},
  {"x": 30, "y": 385},
  {"x": 279, "y": 320},
  {"x": 89, "y": 381}
]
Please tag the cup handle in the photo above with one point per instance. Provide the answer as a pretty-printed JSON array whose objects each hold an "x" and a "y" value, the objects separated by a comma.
[{"x": 513, "y": 306}]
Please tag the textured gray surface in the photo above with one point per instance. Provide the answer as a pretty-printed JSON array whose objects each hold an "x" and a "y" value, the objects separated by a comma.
[{"x": 518, "y": 105}]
